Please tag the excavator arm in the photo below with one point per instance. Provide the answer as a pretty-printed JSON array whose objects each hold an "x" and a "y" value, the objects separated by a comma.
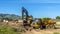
[
  {"x": 25, "y": 14},
  {"x": 24, "y": 11}
]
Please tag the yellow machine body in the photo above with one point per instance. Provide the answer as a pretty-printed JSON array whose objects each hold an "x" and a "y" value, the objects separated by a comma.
[{"x": 35, "y": 25}]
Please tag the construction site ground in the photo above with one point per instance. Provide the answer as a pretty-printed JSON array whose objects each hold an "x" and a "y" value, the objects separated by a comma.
[
  {"x": 36, "y": 31},
  {"x": 44, "y": 31},
  {"x": 47, "y": 31}
]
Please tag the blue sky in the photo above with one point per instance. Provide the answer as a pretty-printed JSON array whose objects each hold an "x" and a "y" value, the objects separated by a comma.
[
  {"x": 42, "y": 8},
  {"x": 10, "y": 6},
  {"x": 37, "y": 8}
]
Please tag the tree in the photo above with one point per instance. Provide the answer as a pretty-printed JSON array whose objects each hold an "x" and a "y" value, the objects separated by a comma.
[
  {"x": 58, "y": 17},
  {"x": 47, "y": 18}
]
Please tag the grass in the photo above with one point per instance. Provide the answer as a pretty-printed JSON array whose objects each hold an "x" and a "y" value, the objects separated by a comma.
[
  {"x": 56, "y": 33},
  {"x": 57, "y": 24},
  {"x": 8, "y": 30}
]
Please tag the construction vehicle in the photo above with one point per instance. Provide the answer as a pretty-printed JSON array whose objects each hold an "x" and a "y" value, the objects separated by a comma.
[
  {"x": 48, "y": 23},
  {"x": 51, "y": 23},
  {"x": 29, "y": 19},
  {"x": 41, "y": 23}
]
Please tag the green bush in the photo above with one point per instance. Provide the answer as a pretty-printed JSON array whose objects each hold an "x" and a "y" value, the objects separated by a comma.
[{"x": 7, "y": 30}]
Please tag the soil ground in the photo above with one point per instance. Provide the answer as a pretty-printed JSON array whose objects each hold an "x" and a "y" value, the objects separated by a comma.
[
  {"x": 51, "y": 31},
  {"x": 44, "y": 31},
  {"x": 36, "y": 31}
]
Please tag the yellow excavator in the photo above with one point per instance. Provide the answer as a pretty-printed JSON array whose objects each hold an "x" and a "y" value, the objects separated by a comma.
[{"x": 28, "y": 20}]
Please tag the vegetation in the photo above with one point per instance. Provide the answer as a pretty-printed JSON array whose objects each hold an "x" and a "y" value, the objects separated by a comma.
[
  {"x": 46, "y": 18},
  {"x": 58, "y": 17},
  {"x": 56, "y": 33},
  {"x": 57, "y": 24},
  {"x": 9, "y": 30}
]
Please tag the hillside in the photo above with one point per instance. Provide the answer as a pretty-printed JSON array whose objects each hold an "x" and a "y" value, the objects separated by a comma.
[{"x": 9, "y": 17}]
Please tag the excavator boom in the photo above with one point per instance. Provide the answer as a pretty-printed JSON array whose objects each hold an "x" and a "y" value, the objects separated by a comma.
[{"x": 24, "y": 11}]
